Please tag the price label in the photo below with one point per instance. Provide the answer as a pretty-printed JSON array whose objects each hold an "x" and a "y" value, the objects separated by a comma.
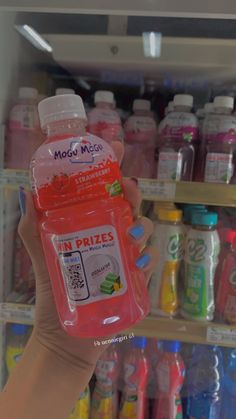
[
  {"x": 221, "y": 335},
  {"x": 19, "y": 313},
  {"x": 159, "y": 191},
  {"x": 13, "y": 178}
]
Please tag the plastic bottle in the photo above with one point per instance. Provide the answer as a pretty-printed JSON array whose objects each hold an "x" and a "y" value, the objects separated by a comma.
[
  {"x": 154, "y": 352},
  {"x": 23, "y": 133},
  {"x": 82, "y": 407},
  {"x": 103, "y": 120},
  {"x": 136, "y": 368},
  {"x": 64, "y": 91},
  {"x": 83, "y": 224},
  {"x": 140, "y": 137},
  {"x": 178, "y": 140},
  {"x": 226, "y": 293},
  {"x": 229, "y": 393},
  {"x": 188, "y": 211},
  {"x": 205, "y": 383},
  {"x": 168, "y": 238},
  {"x": 105, "y": 395},
  {"x": 16, "y": 342},
  {"x": 201, "y": 153},
  {"x": 220, "y": 137},
  {"x": 170, "y": 377},
  {"x": 201, "y": 258}
]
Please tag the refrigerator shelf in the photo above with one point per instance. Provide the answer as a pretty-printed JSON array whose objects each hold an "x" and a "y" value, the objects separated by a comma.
[
  {"x": 153, "y": 190},
  {"x": 156, "y": 327}
]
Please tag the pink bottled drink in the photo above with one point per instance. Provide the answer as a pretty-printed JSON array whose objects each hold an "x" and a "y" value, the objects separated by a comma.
[
  {"x": 140, "y": 132},
  {"x": 178, "y": 141},
  {"x": 170, "y": 379},
  {"x": 23, "y": 135},
  {"x": 103, "y": 120},
  {"x": 206, "y": 113},
  {"x": 84, "y": 219},
  {"x": 105, "y": 395},
  {"x": 136, "y": 369},
  {"x": 220, "y": 139}
]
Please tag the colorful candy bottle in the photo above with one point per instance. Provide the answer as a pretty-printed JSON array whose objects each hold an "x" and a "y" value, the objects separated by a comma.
[
  {"x": 82, "y": 407},
  {"x": 83, "y": 221},
  {"x": 201, "y": 259},
  {"x": 140, "y": 136},
  {"x": 136, "y": 368},
  {"x": 170, "y": 377},
  {"x": 168, "y": 238},
  {"x": 16, "y": 342},
  {"x": 105, "y": 395},
  {"x": 178, "y": 140},
  {"x": 220, "y": 139},
  {"x": 103, "y": 120},
  {"x": 23, "y": 133},
  {"x": 226, "y": 293}
]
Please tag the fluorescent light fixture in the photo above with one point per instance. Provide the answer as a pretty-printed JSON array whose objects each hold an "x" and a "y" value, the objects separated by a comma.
[
  {"x": 34, "y": 37},
  {"x": 152, "y": 44}
]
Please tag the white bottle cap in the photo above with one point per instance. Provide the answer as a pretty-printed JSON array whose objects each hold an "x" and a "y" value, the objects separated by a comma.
[
  {"x": 170, "y": 106},
  {"x": 64, "y": 91},
  {"x": 104, "y": 96},
  {"x": 224, "y": 102},
  {"x": 141, "y": 105},
  {"x": 183, "y": 100},
  {"x": 59, "y": 108},
  {"x": 208, "y": 107},
  {"x": 28, "y": 93}
]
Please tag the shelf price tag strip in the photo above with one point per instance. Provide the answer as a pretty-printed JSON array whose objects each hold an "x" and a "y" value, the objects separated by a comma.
[
  {"x": 221, "y": 335},
  {"x": 160, "y": 191},
  {"x": 14, "y": 178},
  {"x": 12, "y": 312}
]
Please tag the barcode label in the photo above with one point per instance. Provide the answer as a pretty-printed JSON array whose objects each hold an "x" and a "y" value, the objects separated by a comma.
[
  {"x": 14, "y": 177},
  {"x": 220, "y": 335},
  {"x": 17, "y": 312},
  {"x": 157, "y": 190}
]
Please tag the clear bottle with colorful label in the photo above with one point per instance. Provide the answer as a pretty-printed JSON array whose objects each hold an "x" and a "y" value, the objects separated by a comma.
[
  {"x": 16, "y": 342},
  {"x": 83, "y": 222},
  {"x": 201, "y": 258},
  {"x": 103, "y": 120},
  {"x": 170, "y": 377},
  {"x": 229, "y": 392},
  {"x": 82, "y": 407},
  {"x": 168, "y": 238},
  {"x": 105, "y": 395},
  {"x": 178, "y": 141},
  {"x": 140, "y": 137},
  {"x": 136, "y": 369},
  {"x": 220, "y": 140}
]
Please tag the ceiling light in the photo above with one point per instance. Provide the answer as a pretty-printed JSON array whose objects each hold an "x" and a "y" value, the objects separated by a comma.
[
  {"x": 152, "y": 44},
  {"x": 34, "y": 37}
]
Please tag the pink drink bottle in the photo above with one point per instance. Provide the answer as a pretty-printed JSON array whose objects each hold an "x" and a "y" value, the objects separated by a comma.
[{"x": 178, "y": 141}]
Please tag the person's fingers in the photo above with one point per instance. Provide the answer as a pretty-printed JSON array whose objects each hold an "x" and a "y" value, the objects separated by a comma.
[
  {"x": 141, "y": 231},
  {"x": 133, "y": 195},
  {"x": 118, "y": 149},
  {"x": 147, "y": 261}
]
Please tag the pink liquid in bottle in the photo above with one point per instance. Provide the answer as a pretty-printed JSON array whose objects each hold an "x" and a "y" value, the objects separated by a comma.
[
  {"x": 136, "y": 369},
  {"x": 83, "y": 223},
  {"x": 23, "y": 134},
  {"x": 203, "y": 119},
  {"x": 178, "y": 141},
  {"x": 140, "y": 137},
  {"x": 105, "y": 395},
  {"x": 220, "y": 139},
  {"x": 170, "y": 379},
  {"x": 103, "y": 120}
]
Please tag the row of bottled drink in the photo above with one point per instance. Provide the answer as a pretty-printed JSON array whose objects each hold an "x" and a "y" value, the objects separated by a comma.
[
  {"x": 183, "y": 146},
  {"x": 140, "y": 378}
]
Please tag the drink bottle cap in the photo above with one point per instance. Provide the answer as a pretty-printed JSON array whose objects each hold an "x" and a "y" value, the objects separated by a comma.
[
  {"x": 104, "y": 96},
  {"x": 28, "y": 93},
  {"x": 141, "y": 105},
  {"x": 171, "y": 346},
  {"x": 223, "y": 102},
  {"x": 60, "y": 108},
  {"x": 163, "y": 205},
  {"x": 231, "y": 237},
  {"x": 139, "y": 342},
  {"x": 183, "y": 100},
  {"x": 204, "y": 219},
  {"x": 208, "y": 107},
  {"x": 166, "y": 214},
  {"x": 19, "y": 329},
  {"x": 189, "y": 209},
  {"x": 64, "y": 91}
]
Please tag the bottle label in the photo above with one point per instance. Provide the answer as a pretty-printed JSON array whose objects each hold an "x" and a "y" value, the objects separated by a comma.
[
  {"x": 220, "y": 128},
  {"x": 105, "y": 371},
  {"x": 13, "y": 356},
  {"x": 23, "y": 117},
  {"x": 140, "y": 128},
  {"x": 219, "y": 168},
  {"x": 105, "y": 124},
  {"x": 180, "y": 126},
  {"x": 169, "y": 166},
  {"x": 91, "y": 264},
  {"x": 81, "y": 409}
]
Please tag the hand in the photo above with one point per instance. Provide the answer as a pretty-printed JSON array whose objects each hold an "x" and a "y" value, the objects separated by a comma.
[{"x": 79, "y": 352}]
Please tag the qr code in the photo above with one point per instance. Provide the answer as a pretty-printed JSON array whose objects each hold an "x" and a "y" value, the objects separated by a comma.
[{"x": 75, "y": 278}]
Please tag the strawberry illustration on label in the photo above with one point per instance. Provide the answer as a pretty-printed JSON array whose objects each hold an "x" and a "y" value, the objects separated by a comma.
[{"x": 61, "y": 182}]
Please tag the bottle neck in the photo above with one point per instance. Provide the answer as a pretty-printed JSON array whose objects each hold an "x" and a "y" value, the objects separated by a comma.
[
  {"x": 222, "y": 111},
  {"x": 141, "y": 112},
  {"x": 67, "y": 128},
  {"x": 104, "y": 105},
  {"x": 182, "y": 108},
  {"x": 204, "y": 228}
]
